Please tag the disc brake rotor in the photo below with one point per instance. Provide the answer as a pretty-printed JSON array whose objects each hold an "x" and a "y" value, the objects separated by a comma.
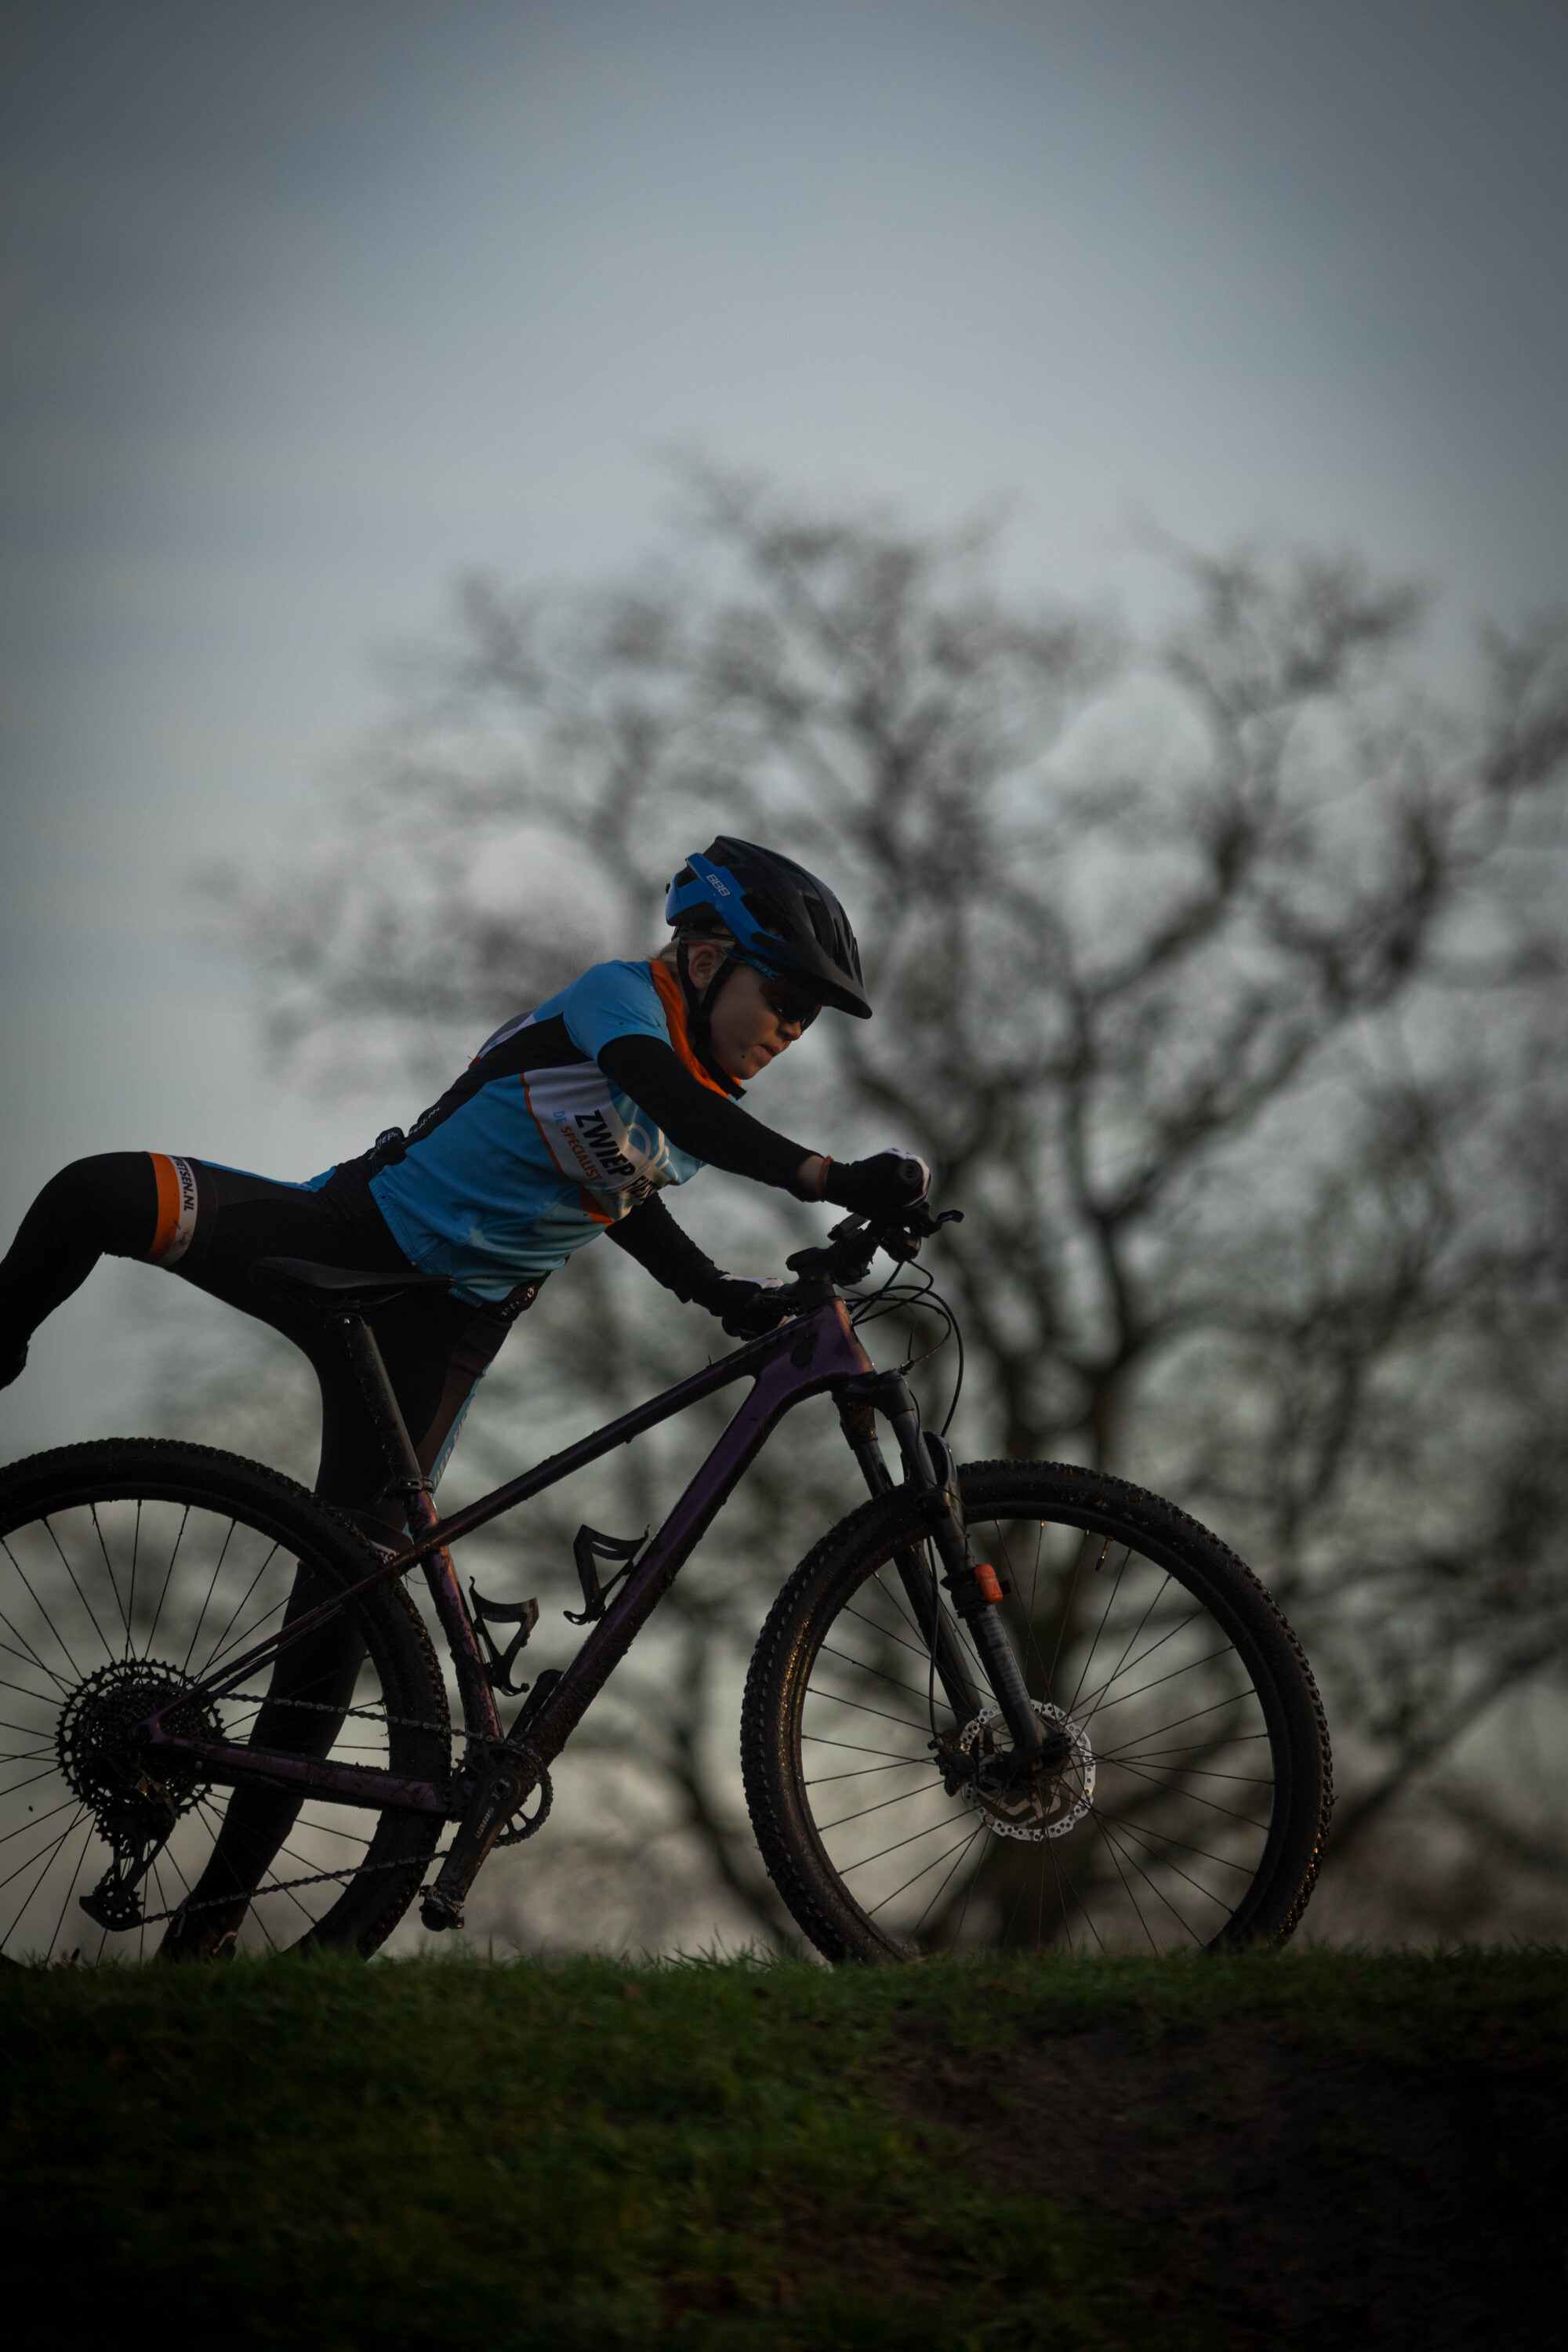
[{"x": 1020, "y": 1801}]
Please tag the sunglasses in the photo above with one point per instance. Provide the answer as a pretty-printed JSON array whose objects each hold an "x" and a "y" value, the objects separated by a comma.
[{"x": 791, "y": 1005}]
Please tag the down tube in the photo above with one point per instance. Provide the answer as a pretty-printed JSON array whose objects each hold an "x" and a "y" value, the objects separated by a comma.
[{"x": 831, "y": 1353}]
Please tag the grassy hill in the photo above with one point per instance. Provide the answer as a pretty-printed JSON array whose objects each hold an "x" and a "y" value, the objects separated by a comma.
[{"x": 1349, "y": 2151}]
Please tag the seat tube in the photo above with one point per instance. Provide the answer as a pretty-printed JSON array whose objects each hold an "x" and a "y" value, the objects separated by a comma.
[
  {"x": 413, "y": 1487},
  {"x": 479, "y": 1704}
]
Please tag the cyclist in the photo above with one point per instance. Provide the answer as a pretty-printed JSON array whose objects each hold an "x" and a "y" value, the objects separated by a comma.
[{"x": 571, "y": 1120}]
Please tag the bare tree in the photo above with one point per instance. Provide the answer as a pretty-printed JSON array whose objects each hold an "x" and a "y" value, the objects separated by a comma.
[{"x": 1220, "y": 977}]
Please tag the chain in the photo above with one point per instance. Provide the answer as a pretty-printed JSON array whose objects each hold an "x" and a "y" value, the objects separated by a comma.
[
  {"x": 515, "y": 1836},
  {"x": 276, "y": 1886},
  {"x": 359, "y": 1714}
]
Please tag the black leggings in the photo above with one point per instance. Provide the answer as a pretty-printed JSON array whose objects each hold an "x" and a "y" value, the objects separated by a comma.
[
  {"x": 434, "y": 1346},
  {"x": 209, "y": 1226}
]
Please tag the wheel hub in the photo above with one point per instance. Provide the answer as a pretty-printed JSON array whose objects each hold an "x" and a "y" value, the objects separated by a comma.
[
  {"x": 1035, "y": 1797},
  {"x": 109, "y": 1772}
]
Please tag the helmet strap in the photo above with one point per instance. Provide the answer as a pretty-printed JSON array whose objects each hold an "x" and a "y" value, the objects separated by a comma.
[{"x": 699, "y": 1006}]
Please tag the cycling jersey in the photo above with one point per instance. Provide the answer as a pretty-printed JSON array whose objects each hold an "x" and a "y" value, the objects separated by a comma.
[
  {"x": 538, "y": 1146},
  {"x": 534, "y": 1150}
]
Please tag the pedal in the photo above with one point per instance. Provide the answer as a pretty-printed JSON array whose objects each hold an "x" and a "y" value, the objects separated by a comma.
[{"x": 438, "y": 1912}]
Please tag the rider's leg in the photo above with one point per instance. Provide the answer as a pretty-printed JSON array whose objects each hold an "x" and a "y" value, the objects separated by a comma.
[
  {"x": 106, "y": 1204},
  {"x": 435, "y": 1350},
  {"x": 210, "y": 1226}
]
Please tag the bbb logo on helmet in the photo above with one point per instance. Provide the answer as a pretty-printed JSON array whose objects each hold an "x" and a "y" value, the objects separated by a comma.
[{"x": 785, "y": 921}]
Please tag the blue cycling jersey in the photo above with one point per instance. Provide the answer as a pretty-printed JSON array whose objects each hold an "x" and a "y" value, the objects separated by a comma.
[{"x": 532, "y": 1151}]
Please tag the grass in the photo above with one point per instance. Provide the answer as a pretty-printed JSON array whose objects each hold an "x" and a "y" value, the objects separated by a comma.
[{"x": 1021, "y": 2152}]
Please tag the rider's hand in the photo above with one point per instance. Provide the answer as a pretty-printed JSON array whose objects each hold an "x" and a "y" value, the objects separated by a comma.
[
  {"x": 882, "y": 1187},
  {"x": 746, "y": 1308}
]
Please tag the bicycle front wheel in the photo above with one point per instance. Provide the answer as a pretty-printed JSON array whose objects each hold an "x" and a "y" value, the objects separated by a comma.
[
  {"x": 130, "y": 1570},
  {"x": 1188, "y": 1794}
]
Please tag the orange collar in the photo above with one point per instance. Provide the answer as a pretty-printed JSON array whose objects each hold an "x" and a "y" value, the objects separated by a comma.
[{"x": 673, "y": 997}]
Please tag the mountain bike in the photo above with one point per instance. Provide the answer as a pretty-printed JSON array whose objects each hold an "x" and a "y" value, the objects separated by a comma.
[{"x": 1005, "y": 1703}]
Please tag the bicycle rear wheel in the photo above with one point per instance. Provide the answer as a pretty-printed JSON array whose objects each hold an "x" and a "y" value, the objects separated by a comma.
[
  {"x": 1189, "y": 1792},
  {"x": 131, "y": 1569}
]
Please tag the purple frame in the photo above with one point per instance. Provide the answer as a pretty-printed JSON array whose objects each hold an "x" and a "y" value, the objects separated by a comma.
[{"x": 801, "y": 1359}]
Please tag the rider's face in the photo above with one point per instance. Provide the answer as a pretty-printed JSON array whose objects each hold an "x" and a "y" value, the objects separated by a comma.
[{"x": 748, "y": 1031}]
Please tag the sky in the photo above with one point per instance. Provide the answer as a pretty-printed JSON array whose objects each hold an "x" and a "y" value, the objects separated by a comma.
[{"x": 308, "y": 306}]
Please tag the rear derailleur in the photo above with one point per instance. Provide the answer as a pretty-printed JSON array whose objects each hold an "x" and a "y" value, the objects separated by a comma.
[{"x": 115, "y": 1903}]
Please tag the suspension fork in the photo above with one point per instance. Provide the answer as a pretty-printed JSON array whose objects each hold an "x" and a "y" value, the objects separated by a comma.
[{"x": 929, "y": 1464}]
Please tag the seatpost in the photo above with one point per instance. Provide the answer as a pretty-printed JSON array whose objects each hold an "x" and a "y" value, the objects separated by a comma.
[{"x": 375, "y": 1385}]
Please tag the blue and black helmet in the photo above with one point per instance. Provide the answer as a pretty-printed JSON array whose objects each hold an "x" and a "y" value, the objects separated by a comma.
[{"x": 782, "y": 920}]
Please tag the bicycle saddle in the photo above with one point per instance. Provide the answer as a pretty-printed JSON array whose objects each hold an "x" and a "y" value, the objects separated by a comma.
[{"x": 307, "y": 1285}]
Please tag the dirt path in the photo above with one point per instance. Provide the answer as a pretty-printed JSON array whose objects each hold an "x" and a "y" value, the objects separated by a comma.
[{"x": 1292, "y": 2193}]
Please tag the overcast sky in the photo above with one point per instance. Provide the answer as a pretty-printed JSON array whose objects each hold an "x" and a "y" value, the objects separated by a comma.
[{"x": 308, "y": 306}]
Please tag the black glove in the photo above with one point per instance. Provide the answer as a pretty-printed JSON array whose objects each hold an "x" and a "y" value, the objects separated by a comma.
[
  {"x": 746, "y": 1308},
  {"x": 883, "y": 1186}
]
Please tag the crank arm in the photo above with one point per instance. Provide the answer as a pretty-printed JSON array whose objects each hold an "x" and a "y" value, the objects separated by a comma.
[{"x": 513, "y": 1775}]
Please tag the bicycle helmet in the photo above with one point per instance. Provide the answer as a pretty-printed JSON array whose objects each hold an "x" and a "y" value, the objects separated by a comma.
[{"x": 781, "y": 918}]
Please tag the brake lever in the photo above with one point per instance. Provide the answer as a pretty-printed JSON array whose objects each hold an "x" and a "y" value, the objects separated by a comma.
[
  {"x": 853, "y": 1244},
  {"x": 902, "y": 1241}
]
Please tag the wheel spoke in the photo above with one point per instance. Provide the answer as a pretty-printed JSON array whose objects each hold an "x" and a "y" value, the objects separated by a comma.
[
  {"x": 907, "y": 1797},
  {"x": 816, "y": 1739},
  {"x": 912, "y": 1689},
  {"x": 120, "y": 1597},
  {"x": 1087, "y": 1706},
  {"x": 76, "y": 1813},
  {"x": 1150, "y": 1687},
  {"x": 92, "y": 1614},
  {"x": 897, "y": 1847},
  {"x": 1236, "y": 1699},
  {"x": 168, "y": 1574},
  {"x": 27, "y": 1652},
  {"x": 72, "y": 1877},
  {"x": 861, "y": 1708},
  {"x": 968, "y": 1839},
  {"x": 36, "y": 1823},
  {"x": 1104, "y": 1706},
  {"x": 946, "y": 1883},
  {"x": 1153, "y": 1780},
  {"x": 206, "y": 1597}
]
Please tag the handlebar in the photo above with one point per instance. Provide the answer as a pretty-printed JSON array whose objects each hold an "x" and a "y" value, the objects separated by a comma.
[{"x": 851, "y": 1247}]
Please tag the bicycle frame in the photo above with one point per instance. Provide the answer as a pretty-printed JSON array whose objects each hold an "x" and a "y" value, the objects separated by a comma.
[{"x": 812, "y": 1353}]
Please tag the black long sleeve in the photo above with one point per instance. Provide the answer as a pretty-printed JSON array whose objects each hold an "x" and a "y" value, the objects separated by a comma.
[
  {"x": 650, "y": 1235},
  {"x": 697, "y": 1120}
]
